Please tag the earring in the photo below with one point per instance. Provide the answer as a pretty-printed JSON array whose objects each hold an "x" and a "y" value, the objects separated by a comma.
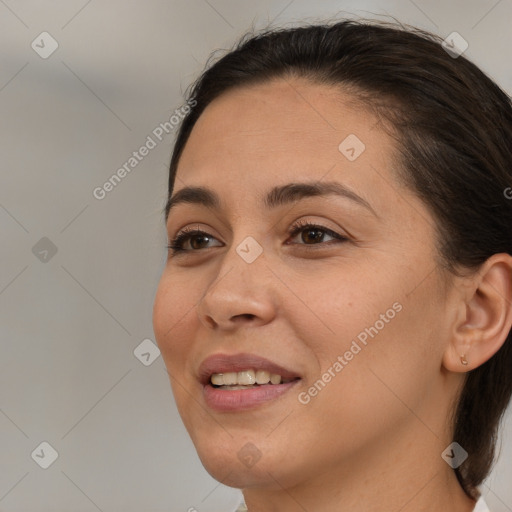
[{"x": 463, "y": 360}]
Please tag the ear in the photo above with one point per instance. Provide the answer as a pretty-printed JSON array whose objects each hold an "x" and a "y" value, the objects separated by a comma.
[{"x": 485, "y": 315}]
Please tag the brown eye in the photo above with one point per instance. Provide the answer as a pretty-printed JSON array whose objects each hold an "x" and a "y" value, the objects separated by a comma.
[
  {"x": 197, "y": 240},
  {"x": 313, "y": 234}
]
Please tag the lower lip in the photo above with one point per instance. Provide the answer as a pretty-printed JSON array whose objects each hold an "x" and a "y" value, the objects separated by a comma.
[{"x": 224, "y": 400}]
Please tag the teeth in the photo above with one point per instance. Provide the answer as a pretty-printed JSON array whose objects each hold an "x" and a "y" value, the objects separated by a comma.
[
  {"x": 245, "y": 378},
  {"x": 262, "y": 377},
  {"x": 275, "y": 379},
  {"x": 217, "y": 379},
  {"x": 230, "y": 378}
]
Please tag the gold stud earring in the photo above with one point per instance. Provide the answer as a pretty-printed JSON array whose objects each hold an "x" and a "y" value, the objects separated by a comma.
[{"x": 463, "y": 360}]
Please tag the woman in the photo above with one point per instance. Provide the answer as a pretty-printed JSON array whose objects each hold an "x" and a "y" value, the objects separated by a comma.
[{"x": 335, "y": 311}]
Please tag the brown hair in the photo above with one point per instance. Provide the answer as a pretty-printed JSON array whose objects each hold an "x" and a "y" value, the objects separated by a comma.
[{"x": 453, "y": 127}]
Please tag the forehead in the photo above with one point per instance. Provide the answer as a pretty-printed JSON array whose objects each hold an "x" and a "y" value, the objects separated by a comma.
[
  {"x": 284, "y": 118},
  {"x": 255, "y": 137}
]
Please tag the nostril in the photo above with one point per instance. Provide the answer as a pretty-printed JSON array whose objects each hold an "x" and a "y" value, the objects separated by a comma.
[{"x": 246, "y": 316}]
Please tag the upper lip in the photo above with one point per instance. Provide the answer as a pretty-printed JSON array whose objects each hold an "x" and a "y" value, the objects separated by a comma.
[{"x": 224, "y": 363}]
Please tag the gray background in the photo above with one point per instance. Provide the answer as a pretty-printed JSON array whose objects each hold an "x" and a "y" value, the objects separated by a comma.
[{"x": 70, "y": 322}]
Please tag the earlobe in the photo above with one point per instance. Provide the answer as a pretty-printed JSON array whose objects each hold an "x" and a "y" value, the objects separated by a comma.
[
  {"x": 485, "y": 317},
  {"x": 459, "y": 354}
]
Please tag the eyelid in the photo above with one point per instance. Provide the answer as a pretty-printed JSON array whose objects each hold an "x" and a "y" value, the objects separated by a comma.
[{"x": 195, "y": 227}]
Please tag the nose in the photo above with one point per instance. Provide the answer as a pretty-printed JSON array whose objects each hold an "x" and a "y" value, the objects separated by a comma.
[{"x": 241, "y": 293}]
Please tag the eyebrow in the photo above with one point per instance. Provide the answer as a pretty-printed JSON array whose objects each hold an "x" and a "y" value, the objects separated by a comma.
[{"x": 277, "y": 196}]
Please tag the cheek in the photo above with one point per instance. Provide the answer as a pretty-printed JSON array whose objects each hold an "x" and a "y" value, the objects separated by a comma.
[
  {"x": 387, "y": 356},
  {"x": 348, "y": 310},
  {"x": 174, "y": 312},
  {"x": 174, "y": 323},
  {"x": 372, "y": 322}
]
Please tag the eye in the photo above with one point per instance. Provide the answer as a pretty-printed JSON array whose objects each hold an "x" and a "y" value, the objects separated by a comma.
[
  {"x": 188, "y": 235},
  {"x": 314, "y": 233},
  {"x": 197, "y": 238}
]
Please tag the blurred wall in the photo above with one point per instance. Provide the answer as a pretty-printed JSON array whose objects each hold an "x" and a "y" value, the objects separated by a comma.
[{"x": 82, "y": 86}]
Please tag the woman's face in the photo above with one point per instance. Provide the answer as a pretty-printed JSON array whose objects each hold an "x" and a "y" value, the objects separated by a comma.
[{"x": 352, "y": 311}]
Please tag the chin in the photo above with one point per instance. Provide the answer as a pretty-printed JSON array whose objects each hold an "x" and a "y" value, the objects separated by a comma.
[
  {"x": 238, "y": 476},
  {"x": 238, "y": 462}
]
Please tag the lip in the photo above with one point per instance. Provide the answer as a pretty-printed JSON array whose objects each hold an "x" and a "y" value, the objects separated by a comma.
[{"x": 224, "y": 400}]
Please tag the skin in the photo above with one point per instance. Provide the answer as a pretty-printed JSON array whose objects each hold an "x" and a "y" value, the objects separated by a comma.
[{"x": 372, "y": 438}]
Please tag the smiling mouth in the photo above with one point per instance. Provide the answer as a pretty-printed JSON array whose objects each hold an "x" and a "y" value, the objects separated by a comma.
[{"x": 234, "y": 383}]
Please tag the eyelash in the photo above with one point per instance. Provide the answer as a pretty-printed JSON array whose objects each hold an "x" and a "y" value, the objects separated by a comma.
[{"x": 176, "y": 245}]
